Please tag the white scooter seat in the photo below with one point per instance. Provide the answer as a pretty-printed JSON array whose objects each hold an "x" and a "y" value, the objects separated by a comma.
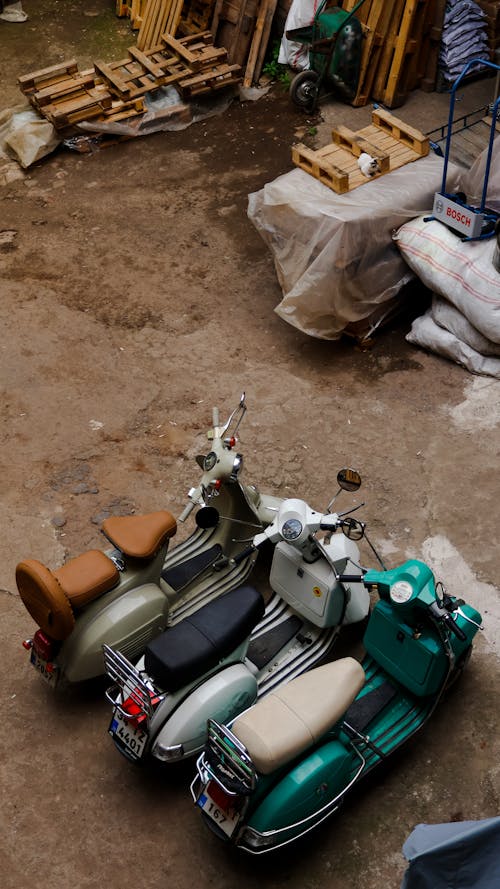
[
  {"x": 289, "y": 720},
  {"x": 197, "y": 644}
]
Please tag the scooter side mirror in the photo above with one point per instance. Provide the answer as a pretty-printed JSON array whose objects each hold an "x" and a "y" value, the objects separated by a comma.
[
  {"x": 348, "y": 479},
  {"x": 200, "y": 459},
  {"x": 353, "y": 529},
  {"x": 207, "y": 517}
]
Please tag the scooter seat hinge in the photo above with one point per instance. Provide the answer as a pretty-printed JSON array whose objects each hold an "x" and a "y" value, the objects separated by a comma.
[{"x": 118, "y": 560}]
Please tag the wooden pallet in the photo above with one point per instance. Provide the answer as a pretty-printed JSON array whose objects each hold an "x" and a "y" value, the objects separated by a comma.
[
  {"x": 391, "y": 141},
  {"x": 134, "y": 9},
  {"x": 160, "y": 17},
  {"x": 66, "y": 96},
  {"x": 395, "y": 46},
  {"x": 196, "y": 16},
  {"x": 113, "y": 90}
]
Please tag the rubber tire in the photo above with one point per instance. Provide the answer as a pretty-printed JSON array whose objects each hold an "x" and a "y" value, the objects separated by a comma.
[
  {"x": 303, "y": 90},
  {"x": 45, "y": 599}
]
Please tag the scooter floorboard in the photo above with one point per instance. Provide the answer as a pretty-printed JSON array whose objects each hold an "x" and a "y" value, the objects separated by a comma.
[
  {"x": 265, "y": 647},
  {"x": 180, "y": 575}
]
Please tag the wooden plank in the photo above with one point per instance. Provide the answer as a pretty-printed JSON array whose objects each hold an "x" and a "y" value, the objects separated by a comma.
[
  {"x": 113, "y": 78},
  {"x": 401, "y": 131},
  {"x": 182, "y": 51},
  {"x": 153, "y": 67},
  {"x": 47, "y": 76},
  {"x": 401, "y": 49},
  {"x": 357, "y": 145},
  {"x": 322, "y": 170},
  {"x": 377, "y": 22},
  {"x": 266, "y": 33},
  {"x": 255, "y": 44},
  {"x": 392, "y": 25},
  {"x": 62, "y": 88},
  {"x": 143, "y": 37}
]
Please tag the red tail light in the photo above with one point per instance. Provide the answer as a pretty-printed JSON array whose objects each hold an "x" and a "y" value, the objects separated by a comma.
[
  {"x": 44, "y": 646},
  {"x": 133, "y": 712},
  {"x": 220, "y": 797}
]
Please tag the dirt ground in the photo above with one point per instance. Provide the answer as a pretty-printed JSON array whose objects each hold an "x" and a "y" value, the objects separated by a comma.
[{"x": 135, "y": 295}]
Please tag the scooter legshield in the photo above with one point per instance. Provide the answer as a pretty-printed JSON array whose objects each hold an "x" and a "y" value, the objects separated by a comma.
[
  {"x": 304, "y": 791},
  {"x": 127, "y": 623},
  {"x": 221, "y": 697}
]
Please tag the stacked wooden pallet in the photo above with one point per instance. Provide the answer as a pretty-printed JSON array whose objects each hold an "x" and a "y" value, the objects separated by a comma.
[
  {"x": 392, "y": 142},
  {"x": 114, "y": 90},
  {"x": 395, "y": 48},
  {"x": 160, "y": 17},
  {"x": 134, "y": 9}
]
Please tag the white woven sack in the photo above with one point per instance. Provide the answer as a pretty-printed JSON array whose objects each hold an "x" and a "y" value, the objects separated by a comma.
[
  {"x": 427, "y": 334},
  {"x": 460, "y": 271},
  {"x": 447, "y": 316}
]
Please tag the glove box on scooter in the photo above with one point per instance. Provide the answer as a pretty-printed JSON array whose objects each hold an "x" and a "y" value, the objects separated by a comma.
[
  {"x": 417, "y": 661},
  {"x": 310, "y": 588}
]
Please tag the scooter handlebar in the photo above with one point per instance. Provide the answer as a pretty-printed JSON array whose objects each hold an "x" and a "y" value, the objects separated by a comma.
[
  {"x": 186, "y": 511},
  {"x": 453, "y": 626},
  {"x": 240, "y": 557},
  {"x": 441, "y": 614},
  {"x": 350, "y": 578}
]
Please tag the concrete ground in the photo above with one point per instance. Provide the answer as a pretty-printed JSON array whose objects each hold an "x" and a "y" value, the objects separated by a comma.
[{"x": 135, "y": 294}]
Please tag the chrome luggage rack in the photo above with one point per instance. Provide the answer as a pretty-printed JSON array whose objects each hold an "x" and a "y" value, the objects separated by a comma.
[{"x": 129, "y": 686}]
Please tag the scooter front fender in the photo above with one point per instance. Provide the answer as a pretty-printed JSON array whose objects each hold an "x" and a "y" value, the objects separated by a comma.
[
  {"x": 128, "y": 623},
  {"x": 222, "y": 697}
]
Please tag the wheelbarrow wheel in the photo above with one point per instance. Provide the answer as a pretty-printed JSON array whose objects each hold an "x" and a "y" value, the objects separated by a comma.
[{"x": 304, "y": 90}]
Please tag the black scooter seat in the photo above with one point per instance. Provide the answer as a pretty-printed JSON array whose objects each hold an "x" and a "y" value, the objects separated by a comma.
[{"x": 196, "y": 644}]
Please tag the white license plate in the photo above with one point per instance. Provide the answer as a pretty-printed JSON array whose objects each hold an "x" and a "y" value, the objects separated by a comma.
[
  {"x": 51, "y": 676},
  {"x": 131, "y": 738},
  {"x": 226, "y": 819}
]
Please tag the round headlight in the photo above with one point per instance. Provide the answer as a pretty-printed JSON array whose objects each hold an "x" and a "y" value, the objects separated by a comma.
[
  {"x": 401, "y": 591},
  {"x": 210, "y": 461},
  {"x": 291, "y": 529}
]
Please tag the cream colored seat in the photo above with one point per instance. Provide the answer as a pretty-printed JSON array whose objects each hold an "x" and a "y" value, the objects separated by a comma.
[{"x": 295, "y": 716}]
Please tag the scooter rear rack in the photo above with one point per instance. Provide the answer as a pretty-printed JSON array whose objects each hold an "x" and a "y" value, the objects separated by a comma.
[{"x": 129, "y": 685}]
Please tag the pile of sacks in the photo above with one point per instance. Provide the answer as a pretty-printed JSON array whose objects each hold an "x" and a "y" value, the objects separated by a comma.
[
  {"x": 464, "y": 38},
  {"x": 463, "y": 323}
]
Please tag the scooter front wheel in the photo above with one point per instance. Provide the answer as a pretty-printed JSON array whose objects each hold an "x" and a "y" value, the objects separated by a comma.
[{"x": 304, "y": 90}]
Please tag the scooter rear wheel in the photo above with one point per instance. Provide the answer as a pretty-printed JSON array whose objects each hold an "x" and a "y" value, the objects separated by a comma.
[{"x": 304, "y": 90}]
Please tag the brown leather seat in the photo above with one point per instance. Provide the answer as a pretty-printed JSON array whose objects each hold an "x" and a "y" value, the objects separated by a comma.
[
  {"x": 140, "y": 536},
  {"x": 50, "y": 596}
]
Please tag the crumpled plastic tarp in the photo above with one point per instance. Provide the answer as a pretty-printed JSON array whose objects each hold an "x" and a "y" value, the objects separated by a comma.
[
  {"x": 459, "y": 854},
  {"x": 25, "y": 135},
  {"x": 334, "y": 255}
]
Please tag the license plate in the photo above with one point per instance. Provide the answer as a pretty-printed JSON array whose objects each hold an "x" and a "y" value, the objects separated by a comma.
[
  {"x": 225, "y": 818},
  {"x": 51, "y": 676},
  {"x": 131, "y": 738}
]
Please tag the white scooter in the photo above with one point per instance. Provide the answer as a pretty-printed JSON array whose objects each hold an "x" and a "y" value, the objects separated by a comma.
[
  {"x": 130, "y": 593},
  {"x": 218, "y": 661}
]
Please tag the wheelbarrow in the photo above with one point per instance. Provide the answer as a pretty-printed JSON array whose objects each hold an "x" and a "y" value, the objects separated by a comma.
[{"x": 334, "y": 39}]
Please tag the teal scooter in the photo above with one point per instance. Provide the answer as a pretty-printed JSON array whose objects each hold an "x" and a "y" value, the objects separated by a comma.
[{"x": 288, "y": 762}]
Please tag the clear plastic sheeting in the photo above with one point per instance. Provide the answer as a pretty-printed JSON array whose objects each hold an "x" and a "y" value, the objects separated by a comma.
[
  {"x": 460, "y": 854},
  {"x": 472, "y": 180},
  {"x": 334, "y": 255}
]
